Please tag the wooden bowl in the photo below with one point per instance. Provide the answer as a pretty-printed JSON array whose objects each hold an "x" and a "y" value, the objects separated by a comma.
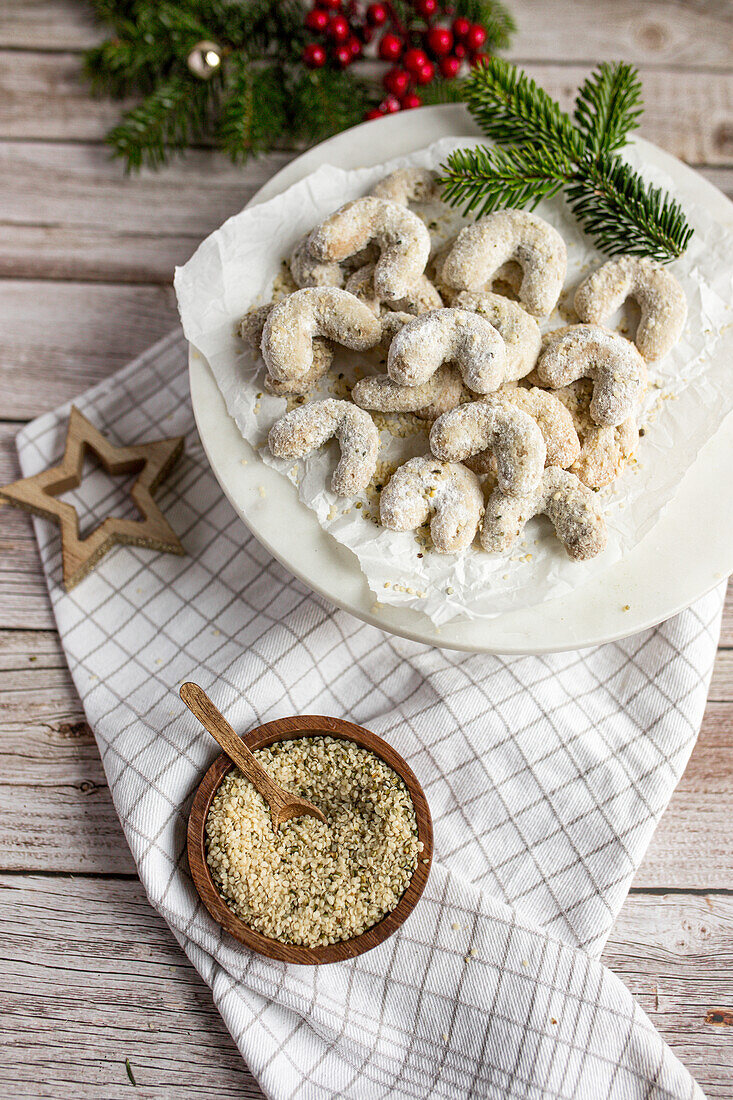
[{"x": 287, "y": 729}]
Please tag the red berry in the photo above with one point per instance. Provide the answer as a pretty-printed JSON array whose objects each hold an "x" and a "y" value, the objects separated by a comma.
[
  {"x": 396, "y": 81},
  {"x": 426, "y": 73},
  {"x": 414, "y": 61},
  {"x": 376, "y": 14},
  {"x": 390, "y": 47},
  {"x": 412, "y": 99},
  {"x": 449, "y": 67},
  {"x": 476, "y": 59},
  {"x": 459, "y": 50},
  {"x": 316, "y": 20},
  {"x": 338, "y": 28},
  {"x": 375, "y": 112},
  {"x": 475, "y": 37},
  {"x": 390, "y": 104},
  {"x": 343, "y": 56},
  {"x": 314, "y": 55},
  {"x": 354, "y": 45},
  {"x": 439, "y": 40},
  {"x": 426, "y": 8},
  {"x": 461, "y": 27}
]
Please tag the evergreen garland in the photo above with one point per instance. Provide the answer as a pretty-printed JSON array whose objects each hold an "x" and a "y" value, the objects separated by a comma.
[
  {"x": 259, "y": 94},
  {"x": 546, "y": 151}
]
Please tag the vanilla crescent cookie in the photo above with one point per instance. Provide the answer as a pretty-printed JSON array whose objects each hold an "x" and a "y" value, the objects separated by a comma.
[
  {"x": 604, "y": 451},
  {"x": 509, "y": 433},
  {"x": 308, "y": 271},
  {"x": 660, "y": 298},
  {"x": 408, "y": 185},
  {"x": 251, "y": 328},
  {"x": 442, "y": 391},
  {"x": 310, "y": 426},
  {"x": 424, "y": 485},
  {"x": 552, "y": 418},
  {"x": 422, "y": 296},
  {"x": 481, "y": 249},
  {"x": 448, "y": 336},
  {"x": 403, "y": 240},
  {"x": 613, "y": 364},
  {"x": 290, "y": 329},
  {"x": 517, "y": 328},
  {"x": 559, "y": 495}
]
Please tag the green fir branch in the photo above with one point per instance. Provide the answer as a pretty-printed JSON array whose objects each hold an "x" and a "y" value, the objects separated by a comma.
[
  {"x": 441, "y": 91},
  {"x": 510, "y": 107},
  {"x": 482, "y": 180},
  {"x": 608, "y": 106},
  {"x": 167, "y": 120},
  {"x": 545, "y": 152},
  {"x": 615, "y": 206},
  {"x": 253, "y": 113},
  {"x": 324, "y": 101}
]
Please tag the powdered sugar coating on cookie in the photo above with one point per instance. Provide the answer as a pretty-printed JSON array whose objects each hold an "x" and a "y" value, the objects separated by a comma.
[
  {"x": 517, "y": 328},
  {"x": 291, "y": 327},
  {"x": 551, "y": 417},
  {"x": 424, "y": 485},
  {"x": 481, "y": 249},
  {"x": 422, "y": 296},
  {"x": 251, "y": 328},
  {"x": 407, "y": 185},
  {"x": 509, "y": 433},
  {"x": 403, "y": 241},
  {"x": 613, "y": 364},
  {"x": 559, "y": 495},
  {"x": 304, "y": 429},
  {"x": 442, "y": 391},
  {"x": 660, "y": 298},
  {"x": 308, "y": 271},
  {"x": 448, "y": 336},
  {"x": 604, "y": 451}
]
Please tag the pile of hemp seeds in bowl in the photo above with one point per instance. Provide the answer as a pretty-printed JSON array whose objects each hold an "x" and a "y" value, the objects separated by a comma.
[{"x": 312, "y": 883}]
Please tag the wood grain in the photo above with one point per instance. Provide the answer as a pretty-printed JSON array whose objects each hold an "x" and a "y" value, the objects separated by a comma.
[
  {"x": 75, "y": 946},
  {"x": 91, "y": 970},
  {"x": 47, "y": 753},
  {"x": 687, "y": 112},
  {"x": 83, "y": 333},
  {"x": 664, "y": 32}
]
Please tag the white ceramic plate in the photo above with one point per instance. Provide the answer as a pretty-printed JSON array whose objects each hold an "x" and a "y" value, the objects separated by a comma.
[{"x": 689, "y": 550}]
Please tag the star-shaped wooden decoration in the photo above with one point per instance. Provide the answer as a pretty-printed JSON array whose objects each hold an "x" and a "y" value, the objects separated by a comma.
[{"x": 151, "y": 461}]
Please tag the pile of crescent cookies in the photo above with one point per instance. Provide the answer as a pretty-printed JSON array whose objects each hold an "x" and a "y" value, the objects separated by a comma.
[{"x": 541, "y": 420}]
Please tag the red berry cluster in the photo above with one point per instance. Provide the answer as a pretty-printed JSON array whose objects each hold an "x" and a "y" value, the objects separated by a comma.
[{"x": 418, "y": 49}]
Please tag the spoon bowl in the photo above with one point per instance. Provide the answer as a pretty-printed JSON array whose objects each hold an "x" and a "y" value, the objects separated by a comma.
[{"x": 288, "y": 729}]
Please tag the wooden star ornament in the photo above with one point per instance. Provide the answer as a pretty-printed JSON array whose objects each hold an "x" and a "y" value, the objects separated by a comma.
[{"x": 151, "y": 461}]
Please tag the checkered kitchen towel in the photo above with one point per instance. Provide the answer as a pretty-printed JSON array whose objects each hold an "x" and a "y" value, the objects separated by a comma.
[{"x": 545, "y": 776}]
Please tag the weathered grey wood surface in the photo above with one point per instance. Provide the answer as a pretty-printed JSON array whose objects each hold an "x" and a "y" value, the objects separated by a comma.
[{"x": 90, "y": 975}]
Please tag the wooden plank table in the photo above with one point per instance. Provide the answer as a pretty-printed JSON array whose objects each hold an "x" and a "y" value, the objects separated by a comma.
[{"x": 90, "y": 975}]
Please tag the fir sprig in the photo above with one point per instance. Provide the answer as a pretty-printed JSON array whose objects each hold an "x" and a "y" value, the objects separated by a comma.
[
  {"x": 547, "y": 151},
  {"x": 261, "y": 91}
]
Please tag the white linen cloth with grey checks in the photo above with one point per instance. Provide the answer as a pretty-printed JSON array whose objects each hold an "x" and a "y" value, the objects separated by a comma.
[{"x": 545, "y": 777}]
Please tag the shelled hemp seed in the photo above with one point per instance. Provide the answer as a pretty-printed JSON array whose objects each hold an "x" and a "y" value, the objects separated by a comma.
[{"x": 312, "y": 883}]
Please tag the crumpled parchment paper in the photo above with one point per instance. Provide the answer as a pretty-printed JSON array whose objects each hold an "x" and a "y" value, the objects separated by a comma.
[{"x": 690, "y": 391}]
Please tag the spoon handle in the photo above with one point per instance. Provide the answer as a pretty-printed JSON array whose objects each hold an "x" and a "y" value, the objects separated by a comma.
[{"x": 214, "y": 721}]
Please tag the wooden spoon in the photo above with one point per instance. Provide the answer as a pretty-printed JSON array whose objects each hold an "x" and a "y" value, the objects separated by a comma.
[{"x": 283, "y": 805}]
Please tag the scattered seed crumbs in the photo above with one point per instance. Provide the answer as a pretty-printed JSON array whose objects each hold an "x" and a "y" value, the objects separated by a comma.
[
  {"x": 314, "y": 883},
  {"x": 626, "y": 607},
  {"x": 456, "y": 927}
]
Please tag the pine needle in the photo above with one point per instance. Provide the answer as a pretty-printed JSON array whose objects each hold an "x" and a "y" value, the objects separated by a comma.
[
  {"x": 545, "y": 152},
  {"x": 608, "y": 106}
]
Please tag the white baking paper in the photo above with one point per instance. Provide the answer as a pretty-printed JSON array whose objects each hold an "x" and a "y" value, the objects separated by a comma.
[{"x": 690, "y": 391}]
